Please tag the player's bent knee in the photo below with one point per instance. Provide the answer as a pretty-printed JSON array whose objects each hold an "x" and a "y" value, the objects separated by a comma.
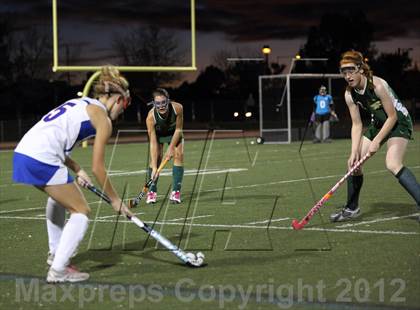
[{"x": 393, "y": 167}]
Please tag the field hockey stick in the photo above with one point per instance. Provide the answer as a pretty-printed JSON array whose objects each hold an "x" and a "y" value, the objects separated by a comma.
[
  {"x": 299, "y": 225},
  {"x": 132, "y": 203},
  {"x": 191, "y": 259}
]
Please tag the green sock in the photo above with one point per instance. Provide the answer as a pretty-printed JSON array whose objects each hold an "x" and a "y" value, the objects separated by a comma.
[
  {"x": 354, "y": 185},
  {"x": 409, "y": 182},
  {"x": 153, "y": 187},
  {"x": 177, "y": 175}
]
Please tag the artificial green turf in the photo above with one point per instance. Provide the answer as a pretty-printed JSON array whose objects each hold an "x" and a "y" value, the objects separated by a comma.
[{"x": 370, "y": 265}]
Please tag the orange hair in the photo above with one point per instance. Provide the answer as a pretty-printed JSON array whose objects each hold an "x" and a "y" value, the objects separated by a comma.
[{"x": 357, "y": 58}]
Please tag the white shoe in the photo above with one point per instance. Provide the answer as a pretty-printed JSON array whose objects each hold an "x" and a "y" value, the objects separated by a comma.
[
  {"x": 344, "y": 214},
  {"x": 175, "y": 197},
  {"x": 151, "y": 197},
  {"x": 67, "y": 275},
  {"x": 50, "y": 258}
]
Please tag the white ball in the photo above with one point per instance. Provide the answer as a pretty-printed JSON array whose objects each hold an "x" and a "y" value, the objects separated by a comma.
[
  {"x": 252, "y": 142},
  {"x": 200, "y": 255},
  {"x": 191, "y": 256}
]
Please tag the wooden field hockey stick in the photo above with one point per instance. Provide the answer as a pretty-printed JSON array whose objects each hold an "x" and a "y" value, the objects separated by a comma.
[
  {"x": 299, "y": 225},
  {"x": 132, "y": 203}
]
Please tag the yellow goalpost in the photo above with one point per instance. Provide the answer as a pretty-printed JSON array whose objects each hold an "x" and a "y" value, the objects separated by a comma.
[{"x": 59, "y": 68}]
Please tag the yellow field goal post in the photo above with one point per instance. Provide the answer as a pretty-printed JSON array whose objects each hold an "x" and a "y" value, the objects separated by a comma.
[{"x": 59, "y": 68}]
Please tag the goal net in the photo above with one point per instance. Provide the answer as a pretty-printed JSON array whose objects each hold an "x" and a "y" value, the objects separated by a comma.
[{"x": 285, "y": 98}]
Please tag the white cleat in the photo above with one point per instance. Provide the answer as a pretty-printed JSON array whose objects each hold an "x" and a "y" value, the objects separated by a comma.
[
  {"x": 344, "y": 214},
  {"x": 67, "y": 275},
  {"x": 50, "y": 258},
  {"x": 175, "y": 197},
  {"x": 151, "y": 197}
]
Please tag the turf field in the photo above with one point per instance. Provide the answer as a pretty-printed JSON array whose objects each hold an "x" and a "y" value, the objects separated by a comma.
[{"x": 238, "y": 202}]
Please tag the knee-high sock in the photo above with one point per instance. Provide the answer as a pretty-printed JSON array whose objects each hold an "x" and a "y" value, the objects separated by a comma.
[
  {"x": 325, "y": 130},
  {"x": 318, "y": 130},
  {"x": 354, "y": 185},
  {"x": 177, "y": 175},
  {"x": 409, "y": 182},
  {"x": 153, "y": 187},
  {"x": 72, "y": 235},
  {"x": 55, "y": 214}
]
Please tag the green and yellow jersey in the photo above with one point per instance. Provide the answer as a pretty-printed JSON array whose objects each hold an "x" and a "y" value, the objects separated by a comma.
[
  {"x": 165, "y": 126},
  {"x": 369, "y": 101}
]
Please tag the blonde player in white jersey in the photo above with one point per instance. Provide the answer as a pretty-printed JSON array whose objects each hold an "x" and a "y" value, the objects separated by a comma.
[{"x": 42, "y": 159}]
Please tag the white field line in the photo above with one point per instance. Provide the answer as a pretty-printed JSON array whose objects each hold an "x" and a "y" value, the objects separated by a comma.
[
  {"x": 189, "y": 218},
  {"x": 230, "y": 187},
  {"x": 164, "y": 219},
  {"x": 168, "y": 172},
  {"x": 296, "y": 180},
  {"x": 114, "y": 215},
  {"x": 12, "y": 184},
  {"x": 37, "y": 208},
  {"x": 308, "y": 156},
  {"x": 255, "y": 158},
  {"x": 267, "y": 221},
  {"x": 200, "y": 189},
  {"x": 378, "y": 220},
  {"x": 262, "y": 184},
  {"x": 318, "y": 229},
  {"x": 21, "y": 210},
  {"x": 219, "y": 189}
]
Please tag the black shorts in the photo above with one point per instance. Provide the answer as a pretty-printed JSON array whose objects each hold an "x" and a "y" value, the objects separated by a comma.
[{"x": 320, "y": 118}]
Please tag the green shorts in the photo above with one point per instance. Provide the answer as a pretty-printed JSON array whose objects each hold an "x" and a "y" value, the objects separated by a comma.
[
  {"x": 164, "y": 139},
  {"x": 168, "y": 139},
  {"x": 401, "y": 130}
]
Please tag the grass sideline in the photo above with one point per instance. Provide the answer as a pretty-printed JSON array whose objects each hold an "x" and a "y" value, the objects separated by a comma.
[{"x": 237, "y": 211}]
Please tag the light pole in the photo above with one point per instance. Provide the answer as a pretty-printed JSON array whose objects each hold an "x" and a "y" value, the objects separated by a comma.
[{"x": 266, "y": 50}]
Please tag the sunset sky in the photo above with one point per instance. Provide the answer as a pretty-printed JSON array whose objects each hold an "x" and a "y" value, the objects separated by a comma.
[{"x": 241, "y": 26}]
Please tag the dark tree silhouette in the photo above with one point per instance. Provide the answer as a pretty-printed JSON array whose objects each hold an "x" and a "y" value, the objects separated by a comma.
[
  {"x": 25, "y": 55},
  {"x": 149, "y": 46},
  {"x": 336, "y": 34},
  {"x": 209, "y": 82},
  {"x": 6, "y": 62},
  {"x": 392, "y": 66}
]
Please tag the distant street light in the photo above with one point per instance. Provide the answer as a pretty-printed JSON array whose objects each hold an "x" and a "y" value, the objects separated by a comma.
[{"x": 266, "y": 50}]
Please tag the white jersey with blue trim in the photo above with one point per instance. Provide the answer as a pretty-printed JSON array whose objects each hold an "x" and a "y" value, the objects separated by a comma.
[{"x": 55, "y": 135}]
